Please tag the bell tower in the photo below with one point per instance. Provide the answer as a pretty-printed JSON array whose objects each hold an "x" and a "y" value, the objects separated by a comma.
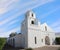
[
  {"x": 31, "y": 18},
  {"x": 30, "y": 14},
  {"x": 33, "y": 27},
  {"x": 28, "y": 27}
]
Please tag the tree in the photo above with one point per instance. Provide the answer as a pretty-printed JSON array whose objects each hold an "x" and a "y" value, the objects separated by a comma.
[{"x": 13, "y": 34}]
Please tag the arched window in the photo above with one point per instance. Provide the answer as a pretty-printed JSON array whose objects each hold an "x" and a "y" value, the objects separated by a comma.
[
  {"x": 35, "y": 40},
  {"x": 32, "y": 14},
  {"x": 45, "y": 28},
  {"x": 32, "y": 22}
]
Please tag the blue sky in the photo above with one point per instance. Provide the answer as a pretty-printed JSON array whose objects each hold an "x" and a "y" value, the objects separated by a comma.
[{"x": 12, "y": 12}]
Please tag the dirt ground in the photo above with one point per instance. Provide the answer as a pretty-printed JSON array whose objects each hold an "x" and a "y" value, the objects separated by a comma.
[{"x": 52, "y": 47}]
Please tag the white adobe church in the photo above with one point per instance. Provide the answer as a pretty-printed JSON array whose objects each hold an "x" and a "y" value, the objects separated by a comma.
[{"x": 33, "y": 33}]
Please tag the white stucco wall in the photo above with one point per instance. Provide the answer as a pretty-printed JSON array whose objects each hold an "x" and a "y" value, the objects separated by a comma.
[
  {"x": 39, "y": 34},
  {"x": 49, "y": 32},
  {"x": 17, "y": 40},
  {"x": 24, "y": 32},
  {"x": 31, "y": 38}
]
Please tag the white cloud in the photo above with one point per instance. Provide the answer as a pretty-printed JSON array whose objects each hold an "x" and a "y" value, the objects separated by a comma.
[
  {"x": 4, "y": 28},
  {"x": 1, "y": 30},
  {"x": 4, "y": 5},
  {"x": 56, "y": 23},
  {"x": 6, "y": 34},
  {"x": 50, "y": 12},
  {"x": 12, "y": 22},
  {"x": 36, "y": 4},
  {"x": 57, "y": 29},
  {"x": 2, "y": 10},
  {"x": 23, "y": 11}
]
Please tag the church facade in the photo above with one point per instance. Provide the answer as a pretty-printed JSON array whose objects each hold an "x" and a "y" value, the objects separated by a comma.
[{"x": 33, "y": 33}]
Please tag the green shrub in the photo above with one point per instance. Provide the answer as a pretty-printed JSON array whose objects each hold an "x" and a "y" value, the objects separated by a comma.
[
  {"x": 57, "y": 40},
  {"x": 59, "y": 49},
  {"x": 29, "y": 49},
  {"x": 2, "y": 42}
]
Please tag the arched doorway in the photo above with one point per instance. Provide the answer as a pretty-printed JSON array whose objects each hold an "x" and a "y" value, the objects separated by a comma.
[{"x": 47, "y": 40}]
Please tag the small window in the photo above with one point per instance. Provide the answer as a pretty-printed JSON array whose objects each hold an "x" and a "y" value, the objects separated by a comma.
[
  {"x": 32, "y": 22},
  {"x": 42, "y": 40},
  {"x": 35, "y": 40},
  {"x": 45, "y": 28}
]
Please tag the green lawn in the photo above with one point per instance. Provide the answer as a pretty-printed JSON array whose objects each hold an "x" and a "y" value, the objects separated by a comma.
[{"x": 2, "y": 42}]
